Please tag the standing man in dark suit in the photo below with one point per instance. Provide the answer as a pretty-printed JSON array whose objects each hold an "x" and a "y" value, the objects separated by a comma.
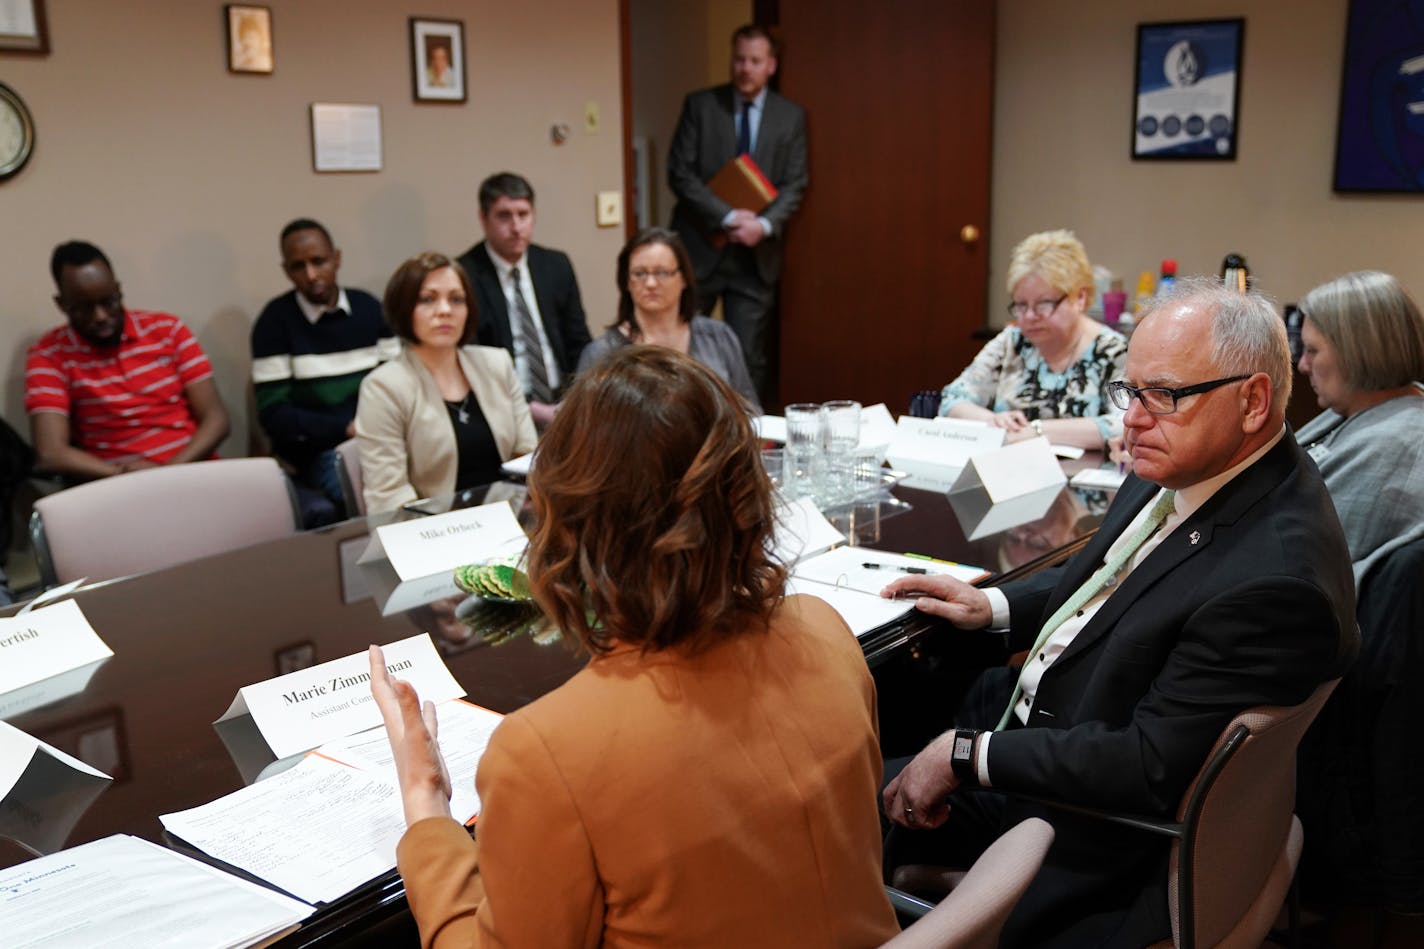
[
  {"x": 1219, "y": 580},
  {"x": 527, "y": 297},
  {"x": 736, "y": 251}
]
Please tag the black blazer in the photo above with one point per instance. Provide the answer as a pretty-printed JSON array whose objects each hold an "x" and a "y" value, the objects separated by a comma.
[
  {"x": 555, "y": 289},
  {"x": 1248, "y": 602},
  {"x": 705, "y": 140}
]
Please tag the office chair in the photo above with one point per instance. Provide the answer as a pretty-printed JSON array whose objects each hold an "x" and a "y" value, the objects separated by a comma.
[
  {"x": 348, "y": 473},
  {"x": 973, "y": 914},
  {"x": 155, "y": 518}
]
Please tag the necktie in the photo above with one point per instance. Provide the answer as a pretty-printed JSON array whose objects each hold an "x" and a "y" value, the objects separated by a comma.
[
  {"x": 539, "y": 390},
  {"x": 1091, "y": 586},
  {"x": 744, "y": 130}
]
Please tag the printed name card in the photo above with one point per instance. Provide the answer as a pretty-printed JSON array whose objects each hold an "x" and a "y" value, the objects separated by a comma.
[
  {"x": 43, "y": 791},
  {"x": 428, "y": 545},
  {"x": 940, "y": 443},
  {"x": 1008, "y": 487},
  {"x": 300, "y": 710},
  {"x": 801, "y": 530},
  {"x": 45, "y": 643}
]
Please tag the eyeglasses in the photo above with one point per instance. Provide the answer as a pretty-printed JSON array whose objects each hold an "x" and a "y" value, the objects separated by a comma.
[
  {"x": 638, "y": 276},
  {"x": 1160, "y": 400},
  {"x": 1041, "y": 308}
]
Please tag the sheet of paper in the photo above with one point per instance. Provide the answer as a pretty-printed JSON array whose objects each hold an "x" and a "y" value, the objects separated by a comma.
[
  {"x": 46, "y": 642},
  {"x": 425, "y": 546},
  {"x": 877, "y": 427},
  {"x": 124, "y": 891},
  {"x": 465, "y": 732},
  {"x": 519, "y": 466},
  {"x": 1071, "y": 452},
  {"x": 317, "y": 831},
  {"x": 940, "y": 442},
  {"x": 302, "y": 709},
  {"x": 845, "y": 567},
  {"x": 802, "y": 530},
  {"x": 1109, "y": 479},
  {"x": 863, "y": 612}
]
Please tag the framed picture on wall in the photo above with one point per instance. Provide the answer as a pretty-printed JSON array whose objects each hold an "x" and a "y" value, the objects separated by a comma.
[
  {"x": 22, "y": 27},
  {"x": 249, "y": 39},
  {"x": 437, "y": 60},
  {"x": 1188, "y": 87},
  {"x": 1379, "y": 140}
]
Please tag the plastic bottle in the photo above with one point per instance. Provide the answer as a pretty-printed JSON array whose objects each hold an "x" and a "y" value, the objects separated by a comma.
[
  {"x": 1234, "y": 273},
  {"x": 1169, "y": 276},
  {"x": 1114, "y": 300},
  {"x": 1146, "y": 287}
]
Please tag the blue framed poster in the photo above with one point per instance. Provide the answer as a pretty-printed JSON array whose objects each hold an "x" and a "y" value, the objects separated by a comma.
[
  {"x": 1379, "y": 143},
  {"x": 1188, "y": 90}
]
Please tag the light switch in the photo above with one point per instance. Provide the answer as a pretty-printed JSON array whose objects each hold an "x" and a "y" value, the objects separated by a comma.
[
  {"x": 590, "y": 117},
  {"x": 610, "y": 208}
]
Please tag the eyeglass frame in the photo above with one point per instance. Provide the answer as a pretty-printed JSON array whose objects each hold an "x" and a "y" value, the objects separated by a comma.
[
  {"x": 657, "y": 273},
  {"x": 1034, "y": 306},
  {"x": 88, "y": 308},
  {"x": 1181, "y": 392}
]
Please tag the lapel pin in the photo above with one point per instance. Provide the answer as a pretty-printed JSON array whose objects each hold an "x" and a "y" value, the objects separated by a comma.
[{"x": 1193, "y": 537}]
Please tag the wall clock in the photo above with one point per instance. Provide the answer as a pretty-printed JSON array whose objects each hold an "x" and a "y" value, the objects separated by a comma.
[{"x": 17, "y": 132}]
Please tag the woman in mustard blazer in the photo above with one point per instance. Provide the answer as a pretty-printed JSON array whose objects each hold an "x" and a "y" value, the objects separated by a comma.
[
  {"x": 444, "y": 415},
  {"x": 709, "y": 779}
]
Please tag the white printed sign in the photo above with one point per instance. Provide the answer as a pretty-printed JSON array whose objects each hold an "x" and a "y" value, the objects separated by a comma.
[
  {"x": 302, "y": 709},
  {"x": 940, "y": 442},
  {"x": 1004, "y": 488}
]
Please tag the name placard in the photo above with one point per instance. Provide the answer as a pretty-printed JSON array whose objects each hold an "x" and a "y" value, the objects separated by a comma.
[
  {"x": 801, "y": 530},
  {"x": 300, "y": 710},
  {"x": 18, "y": 751},
  {"x": 428, "y": 545},
  {"x": 1007, "y": 487},
  {"x": 46, "y": 642},
  {"x": 940, "y": 442}
]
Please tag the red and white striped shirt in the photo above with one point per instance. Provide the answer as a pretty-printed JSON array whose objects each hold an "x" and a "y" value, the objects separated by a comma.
[{"x": 123, "y": 402}]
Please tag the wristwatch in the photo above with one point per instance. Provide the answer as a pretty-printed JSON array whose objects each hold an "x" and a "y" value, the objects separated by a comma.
[
  {"x": 961, "y": 755},
  {"x": 1037, "y": 425}
]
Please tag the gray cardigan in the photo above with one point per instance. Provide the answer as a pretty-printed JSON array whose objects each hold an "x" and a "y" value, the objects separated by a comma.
[{"x": 713, "y": 344}]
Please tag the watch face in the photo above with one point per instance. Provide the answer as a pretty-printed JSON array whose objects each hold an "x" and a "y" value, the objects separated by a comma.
[{"x": 17, "y": 133}]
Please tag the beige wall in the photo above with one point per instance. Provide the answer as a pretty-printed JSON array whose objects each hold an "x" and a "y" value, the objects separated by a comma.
[
  {"x": 1063, "y": 112},
  {"x": 675, "y": 48},
  {"x": 184, "y": 173}
]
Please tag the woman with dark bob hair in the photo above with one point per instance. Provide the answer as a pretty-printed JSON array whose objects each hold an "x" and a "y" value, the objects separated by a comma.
[
  {"x": 709, "y": 779},
  {"x": 1363, "y": 340},
  {"x": 657, "y": 296},
  {"x": 444, "y": 415}
]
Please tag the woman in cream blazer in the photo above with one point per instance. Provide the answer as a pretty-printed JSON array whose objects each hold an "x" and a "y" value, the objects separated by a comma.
[{"x": 409, "y": 408}]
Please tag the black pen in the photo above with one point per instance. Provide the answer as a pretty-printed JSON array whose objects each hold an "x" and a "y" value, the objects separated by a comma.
[{"x": 884, "y": 566}]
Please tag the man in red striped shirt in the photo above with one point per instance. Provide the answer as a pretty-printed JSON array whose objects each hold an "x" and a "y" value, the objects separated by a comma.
[{"x": 116, "y": 390}]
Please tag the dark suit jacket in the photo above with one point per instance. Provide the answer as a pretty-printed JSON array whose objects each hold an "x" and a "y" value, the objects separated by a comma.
[
  {"x": 705, "y": 140},
  {"x": 1248, "y": 602},
  {"x": 556, "y": 291}
]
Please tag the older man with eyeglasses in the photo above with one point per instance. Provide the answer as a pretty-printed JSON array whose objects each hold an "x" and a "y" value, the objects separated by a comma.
[
  {"x": 114, "y": 389},
  {"x": 1219, "y": 580}
]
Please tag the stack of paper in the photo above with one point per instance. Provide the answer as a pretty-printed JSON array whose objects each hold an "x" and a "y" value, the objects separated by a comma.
[
  {"x": 850, "y": 580},
  {"x": 123, "y": 891}
]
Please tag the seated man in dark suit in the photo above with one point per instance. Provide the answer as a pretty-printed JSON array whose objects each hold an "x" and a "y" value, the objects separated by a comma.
[
  {"x": 1219, "y": 580},
  {"x": 527, "y": 296},
  {"x": 115, "y": 389},
  {"x": 311, "y": 347}
]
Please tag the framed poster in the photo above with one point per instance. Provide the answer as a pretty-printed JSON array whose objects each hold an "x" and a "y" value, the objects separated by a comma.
[
  {"x": 437, "y": 60},
  {"x": 22, "y": 27},
  {"x": 345, "y": 137},
  {"x": 1379, "y": 139},
  {"x": 1188, "y": 90},
  {"x": 249, "y": 38}
]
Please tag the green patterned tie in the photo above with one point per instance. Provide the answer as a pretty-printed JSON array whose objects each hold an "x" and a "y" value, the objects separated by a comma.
[{"x": 1090, "y": 589}]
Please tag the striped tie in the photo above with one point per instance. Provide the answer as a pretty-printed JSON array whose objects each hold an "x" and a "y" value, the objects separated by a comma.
[
  {"x": 1090, "y": 589},
  {"x": 539, "y": 389}
]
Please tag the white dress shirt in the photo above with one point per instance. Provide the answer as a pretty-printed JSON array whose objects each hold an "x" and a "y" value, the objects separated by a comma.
[{"x": 505, "y": 270}]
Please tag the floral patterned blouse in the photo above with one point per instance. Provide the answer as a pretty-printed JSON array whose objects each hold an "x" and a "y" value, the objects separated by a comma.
[{"x": 1010, "y": 373}]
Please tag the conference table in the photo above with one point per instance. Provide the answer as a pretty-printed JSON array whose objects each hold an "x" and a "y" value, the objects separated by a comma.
[{"x": 186, "y": 638}]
